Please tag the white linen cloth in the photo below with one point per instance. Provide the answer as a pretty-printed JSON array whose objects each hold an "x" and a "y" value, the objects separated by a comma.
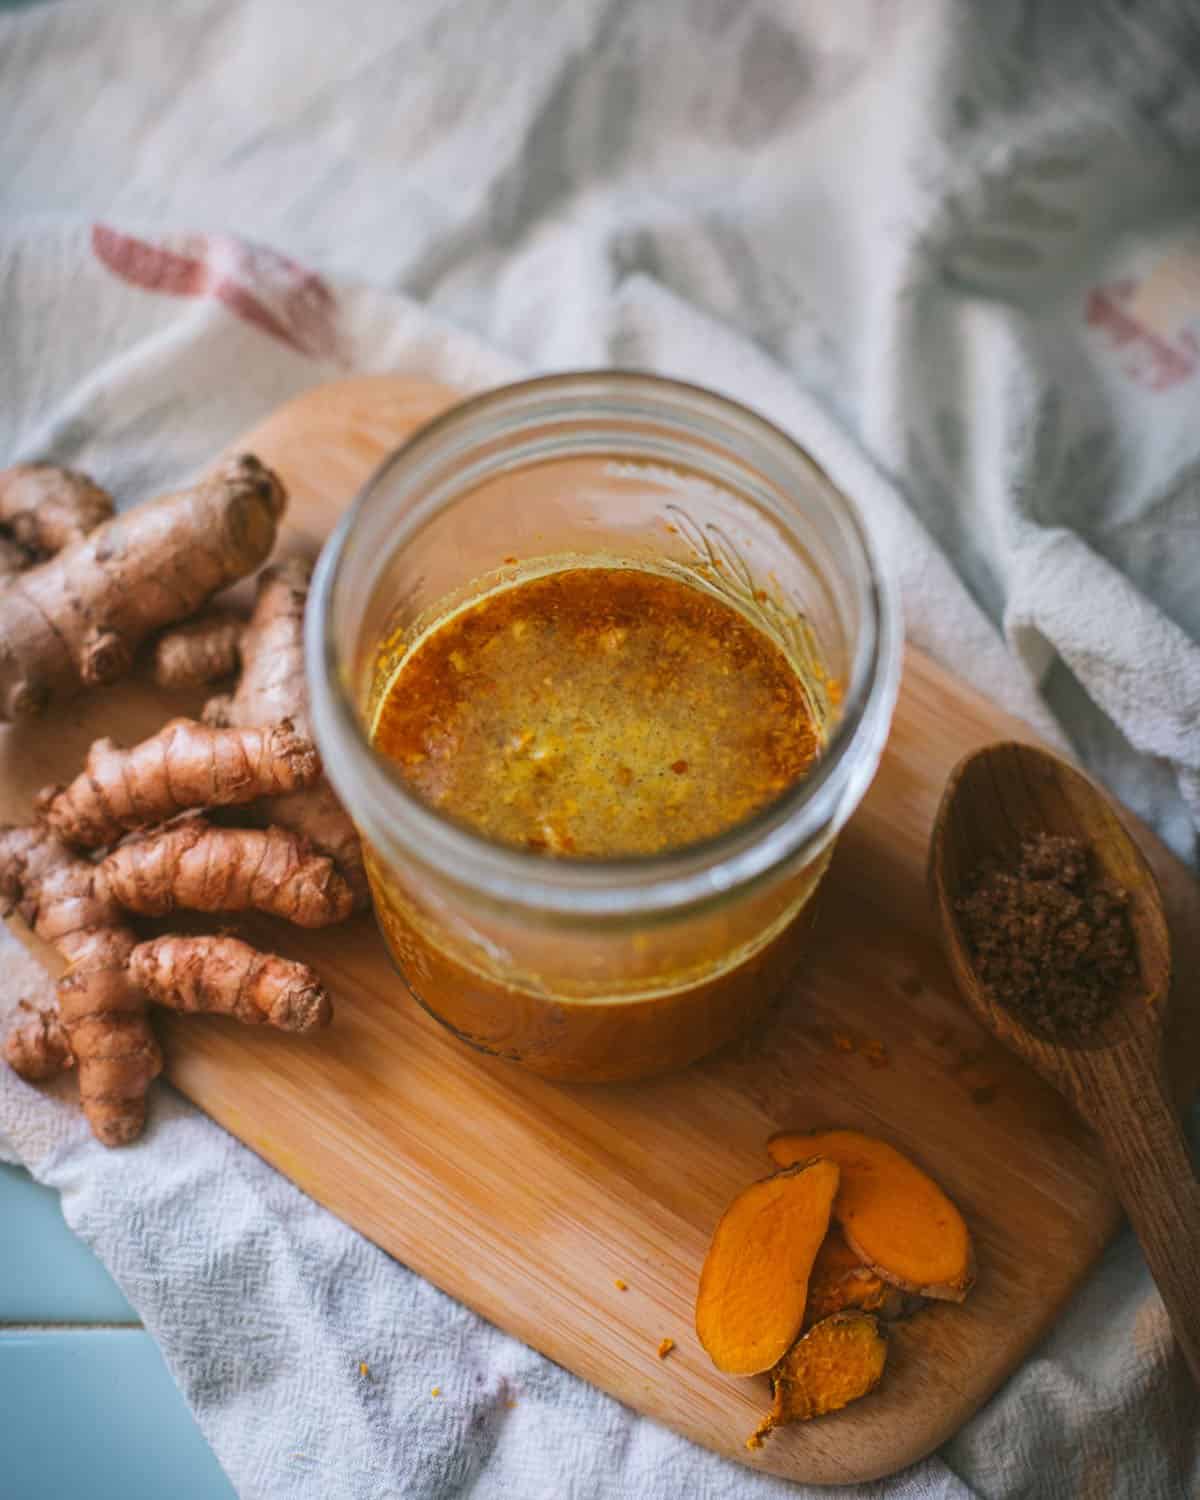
[{"x": 954, "y": 248}]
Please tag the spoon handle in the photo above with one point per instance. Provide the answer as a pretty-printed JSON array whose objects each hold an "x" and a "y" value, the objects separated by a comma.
[{"x": 1156, "y": 1181}]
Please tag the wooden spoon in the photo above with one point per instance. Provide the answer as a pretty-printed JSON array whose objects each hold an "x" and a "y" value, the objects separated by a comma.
[{"x": 1116, "y": 1078}]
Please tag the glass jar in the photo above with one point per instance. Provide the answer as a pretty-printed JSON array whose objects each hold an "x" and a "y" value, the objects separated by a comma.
[{"x": 601, "y": 969}]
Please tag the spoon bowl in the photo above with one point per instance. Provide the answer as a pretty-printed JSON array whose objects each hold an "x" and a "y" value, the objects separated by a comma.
[
  {"x": 993, "y": 801},
  {"x": 1115, "y": 1076}
]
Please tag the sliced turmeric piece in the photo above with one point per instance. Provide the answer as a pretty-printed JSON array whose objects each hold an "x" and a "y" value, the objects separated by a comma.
[
  {"x": 894, "y": 1217},
  {"x": 838, "y": 1360},
  {"x": 840, "y": 1282},
  {"x": 754, "y": 1284}
]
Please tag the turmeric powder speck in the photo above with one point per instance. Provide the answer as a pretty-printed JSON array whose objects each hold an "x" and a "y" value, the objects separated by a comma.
[
  {"x": 436, "y": 1391},
  {"x": 363, "y": 1368},
  {"x": 621, "y": 1286},
  {"x": 665, "y": 1347},
  {"x": 875, "y": 1052}
]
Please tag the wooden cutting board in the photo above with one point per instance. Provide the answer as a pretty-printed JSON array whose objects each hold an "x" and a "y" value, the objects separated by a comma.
[{"x": 529, "y": 1201}]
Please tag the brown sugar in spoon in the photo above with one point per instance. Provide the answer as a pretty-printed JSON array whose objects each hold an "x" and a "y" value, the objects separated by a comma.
[{"x": 1115, "y": 1078}]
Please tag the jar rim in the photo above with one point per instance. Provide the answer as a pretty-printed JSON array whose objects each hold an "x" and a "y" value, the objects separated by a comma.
[{"x": 799, "y": 823}]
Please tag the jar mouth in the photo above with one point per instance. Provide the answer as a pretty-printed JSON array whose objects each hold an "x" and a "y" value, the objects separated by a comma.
[{"x": 793, "y": 828}]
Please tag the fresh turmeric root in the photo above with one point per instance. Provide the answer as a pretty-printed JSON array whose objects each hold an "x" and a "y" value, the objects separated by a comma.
[
  {"x": 76, "y": 620},
  {"x": 839, "y": 1360},
  {"x": 103, "y": 1012},
  {"x": 13, "y": 559},
  {"x": 224, "y": 976},
  {"x": 192, "y": 863},
  {"x": 895, "y": 1218},
  {"x": 185, "y": 765},
  {"x": 206, "y": 975},
  {"x": 37, "y": 1047},
  {"x": 754, "y": 1284},
  {"x": 44, "y": 508},
  {"x": 80, "y": 591},
  {"x": 203, "y": 650},
  {"x": 272, "y": 687},
  {"x": 102, "y": 1026}
]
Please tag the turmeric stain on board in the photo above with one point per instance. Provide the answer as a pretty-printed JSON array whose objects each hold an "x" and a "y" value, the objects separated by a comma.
[{"x": 598, "y": 712}]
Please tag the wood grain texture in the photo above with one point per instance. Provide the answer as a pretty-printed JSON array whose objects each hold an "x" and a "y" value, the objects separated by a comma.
[
  {"x": 526, "y": 1199},
  {"x": 1116, "y": 1077}
]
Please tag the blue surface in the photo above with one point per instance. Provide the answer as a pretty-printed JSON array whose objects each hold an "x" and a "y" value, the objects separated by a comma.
[
  {"x": 46, "y": 1274},
  {"x": 84, "y": 1411},
  {"x": 94, "y": 1413}
]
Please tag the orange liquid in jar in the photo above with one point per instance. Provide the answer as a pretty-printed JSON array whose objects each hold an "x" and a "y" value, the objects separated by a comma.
[
  {"x": 586, "y": 713},
  {"x": 598, "y": 712}
]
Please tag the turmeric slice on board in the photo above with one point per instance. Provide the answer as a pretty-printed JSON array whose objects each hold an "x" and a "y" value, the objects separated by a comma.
[
  {"x": 838, "y": 1360},
  {"x": 840, "y": 1282},
  {"x": 895, "y": 1218},
  {"x": 754, "y": 1284}
]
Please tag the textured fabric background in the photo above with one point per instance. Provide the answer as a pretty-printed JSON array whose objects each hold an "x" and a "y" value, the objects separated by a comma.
[{"x": 955, "y": 248}]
